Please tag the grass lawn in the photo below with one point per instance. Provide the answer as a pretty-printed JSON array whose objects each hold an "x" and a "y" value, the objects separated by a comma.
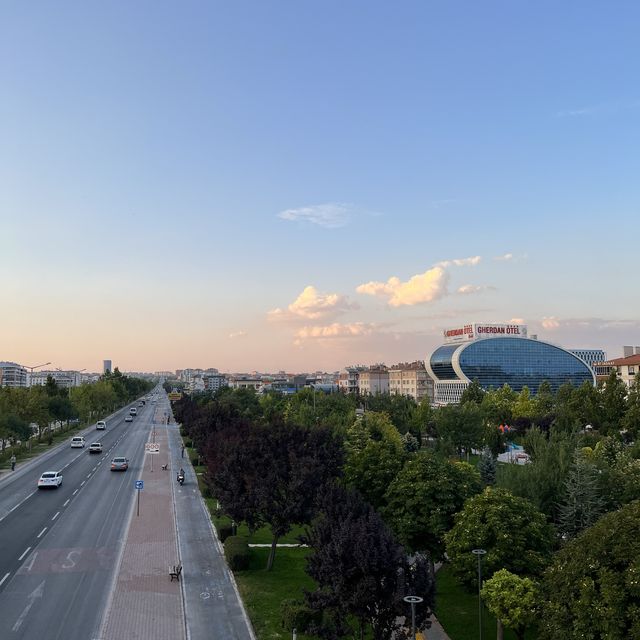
[
  {"x": 457, "y": 611},
  {"x": 263, "y": 591}
]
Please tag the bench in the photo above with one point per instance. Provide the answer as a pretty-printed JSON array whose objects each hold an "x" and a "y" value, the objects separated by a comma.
[{"x": 175, "y": 574}]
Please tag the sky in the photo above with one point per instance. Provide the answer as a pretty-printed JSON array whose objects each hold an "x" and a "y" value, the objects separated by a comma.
[{"x": 301, "y": 186}]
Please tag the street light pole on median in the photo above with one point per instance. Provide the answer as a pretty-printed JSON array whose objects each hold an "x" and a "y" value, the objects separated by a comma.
[
  {"x": 479, "y": 553},
  {"x": 413, "y": 601}
]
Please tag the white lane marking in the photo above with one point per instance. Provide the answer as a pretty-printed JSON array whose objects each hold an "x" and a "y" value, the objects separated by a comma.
[
  {"x": 67, "y": 502},
  {"x": 71, "y": 561},
  {"x": 82, "y": 482},
  {"x": 88, "y": 475},
  {"x": 40, "y": 534},
  {"x": 74, "y": 493},
  {"x": 36, "y": 593},
  {"x": 99, "y": 463},
  {"x": 24, "y": 553},
  {"x": 28, "y": 565},
  {"x": 6, "y": 575},
  {"x": 19, "y": 503},
  {"x": 94, "y": 468},
  {"x": 57, "y": 514}
]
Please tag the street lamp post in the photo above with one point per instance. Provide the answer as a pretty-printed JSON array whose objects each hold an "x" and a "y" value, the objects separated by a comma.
[
  {"x": 413, "y": 601},
  {"x": 479, "y": 553}
]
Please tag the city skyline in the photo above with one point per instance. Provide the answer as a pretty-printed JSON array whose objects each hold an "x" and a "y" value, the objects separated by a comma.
[{"x": 297, "y": 188}]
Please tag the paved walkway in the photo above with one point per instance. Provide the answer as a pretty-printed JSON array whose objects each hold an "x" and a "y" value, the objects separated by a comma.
[{"x": 145, "y": 603}]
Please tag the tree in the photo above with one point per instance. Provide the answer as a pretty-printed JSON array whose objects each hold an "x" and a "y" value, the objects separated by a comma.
[
  {"x": 410, "y": 442},
  {"x": 591, "y": 589},
  {"x": 524, "y": 406},
  {"x": 513, "y": 532},
  {"x": 586, "y": 404},
  {"x": 487, "y": 466},
  {"x": 513, "y": 600},
  {"x": 375, "y": 455},
  {"x": 473, "y": 393},
  {"x": 614, "y": 402},
  {"x": 423, "y": 498},
  {"x": 461, "y": 426},
  {"x": 361, "y": 571},
  {"x": 631, "y": 420},
  {"x": 497, "y": 405},
  {"x": 582, "y": 503}
]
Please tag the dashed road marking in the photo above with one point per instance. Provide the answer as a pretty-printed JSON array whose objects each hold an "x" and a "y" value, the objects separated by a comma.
[
  {"x": 88, "y": 475},
  {"x": 40, "y": 534},
  {"x": 67, "y": 502},
  {"x": 74, "y": 493},
  {"x": 6, "y": 575},
  {"x": 24, "y": 553},
  {"x": 54, "y": 517}
]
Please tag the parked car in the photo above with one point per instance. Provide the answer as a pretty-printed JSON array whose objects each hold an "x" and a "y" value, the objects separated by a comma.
[
  {"x": 77, "y": 442},
  {"x": 101, "y": 425},
  {"x": 50, "y": 479},
  {"x": 119, "y": 464},
  {"x": 95, "y": 447}
]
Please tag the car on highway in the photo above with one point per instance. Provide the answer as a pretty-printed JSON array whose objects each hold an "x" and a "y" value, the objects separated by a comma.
[
  {"x": 95, "y": 447},
  {"x": 50, "y": 479},
  {"x": 133, "y": 411},
  {"x": 101, "y": 425},
  {"x": 77, "y": 442},
  {"x": 119, "y": 464},
  {"x": 129, "y": 419}
]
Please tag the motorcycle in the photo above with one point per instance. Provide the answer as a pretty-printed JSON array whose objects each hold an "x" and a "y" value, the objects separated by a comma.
[{"x": 181, "y": 478}]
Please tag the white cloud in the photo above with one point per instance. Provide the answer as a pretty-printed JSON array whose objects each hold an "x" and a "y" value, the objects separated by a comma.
[
  {"x": 550, "y": 323},
  {"x": 311, "y": 305},
  {"x": 517, "y": 321},
  {"x": 330, "y": 215},
  {"x": 504, "y": 258},
  {"x": 238, "y": 334},
  {"x": 423, "y": 287},
  {"x": 460, "y": 262},
  {"x": 336, "y": 330},
  {"x": 466, "y": 289}
]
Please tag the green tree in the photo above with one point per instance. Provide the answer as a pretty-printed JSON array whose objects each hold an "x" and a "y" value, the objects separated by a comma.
[
  {"x": 461, "y": 426},
  {"x": 513, "y": 600},
  {"x": 544, "y": 403},
  {"x": 582, "y": 503},
  {"x": 525, "y": 405},
  {"x": 592, "y": 588},
  {"x": 512, "y": 531},
  {"x": 487, "y": 466},
  {"x": 497, "y": 405},
  {"x": 614, "y": 403},
  {"x": 375, "y": 454},
  {"x": 473, "y": 393},
  {"x": 586, "y": 405},
  {"x": 631, "y": 420},
  {"x": 423, "y": 498}
]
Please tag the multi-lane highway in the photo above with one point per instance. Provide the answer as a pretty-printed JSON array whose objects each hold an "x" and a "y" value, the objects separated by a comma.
[{"x": 59, "y": 547}]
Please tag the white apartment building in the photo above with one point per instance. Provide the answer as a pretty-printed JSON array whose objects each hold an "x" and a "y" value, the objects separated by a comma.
[
  {"x": 373, "y": 381},
  {"x": 12, "y": 375},
  {"x": 246, "y": 383},
  {"x": 348, "y": 379},
  {"x": 626, "y": 368},
  {"x": 213, "y": 382},
  {"x": 411, "y": 379},
  {"x": 64, "y": 379}
]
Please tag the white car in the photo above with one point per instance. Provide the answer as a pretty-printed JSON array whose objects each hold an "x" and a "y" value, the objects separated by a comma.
[
  {"x": 133, "y": 411},
  {"x": 101, "y": 425},
  {"x": 77, "y": 442},
  {"x": 129, "y": 419},
  {"x": 50, "y": 479}
]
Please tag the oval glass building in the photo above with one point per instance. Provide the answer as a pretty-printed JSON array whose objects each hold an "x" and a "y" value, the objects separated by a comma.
[{"x": 496, "y": 361}]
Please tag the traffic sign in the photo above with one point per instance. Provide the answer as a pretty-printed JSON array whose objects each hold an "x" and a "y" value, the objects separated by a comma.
[
  {"x": 152, "y": 447},
  {"x": 139, "y": 484}
]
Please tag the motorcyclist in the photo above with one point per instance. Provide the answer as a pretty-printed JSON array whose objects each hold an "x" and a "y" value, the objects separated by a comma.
[{"x": 181, "y": 475}]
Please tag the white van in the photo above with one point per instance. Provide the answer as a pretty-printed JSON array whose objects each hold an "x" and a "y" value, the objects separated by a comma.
[
  {"x": 101, "y": 425},
  {"x": 77, "y": 442}
]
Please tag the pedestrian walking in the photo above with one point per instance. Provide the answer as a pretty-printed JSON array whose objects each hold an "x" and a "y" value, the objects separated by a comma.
[
  {"x": 182, "y": 452},
  {"x": 13, "y": 462}
]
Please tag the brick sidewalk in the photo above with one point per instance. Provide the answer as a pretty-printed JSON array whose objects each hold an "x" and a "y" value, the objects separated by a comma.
[{"x": 145, "y": 604}]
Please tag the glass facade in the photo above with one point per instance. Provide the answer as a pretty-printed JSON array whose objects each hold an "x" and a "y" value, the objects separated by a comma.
[
  {"x": 517, "y": 362},
  {"x": 441, "y": 362},
  {"x": 521, "y": 362}
]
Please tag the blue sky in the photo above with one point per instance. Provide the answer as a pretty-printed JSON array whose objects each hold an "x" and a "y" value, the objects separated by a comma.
[{"x": 173, "y": 174}]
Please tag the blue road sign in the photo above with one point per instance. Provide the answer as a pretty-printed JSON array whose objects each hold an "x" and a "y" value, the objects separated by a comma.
[{"x": 139, "y": 484}]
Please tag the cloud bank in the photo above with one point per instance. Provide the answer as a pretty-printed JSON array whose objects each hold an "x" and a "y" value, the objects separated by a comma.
[{"x": 312, "y": 305}]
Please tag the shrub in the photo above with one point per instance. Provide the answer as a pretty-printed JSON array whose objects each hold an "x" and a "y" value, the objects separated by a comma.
[
  {"x": 224, "y": 531},
  {"x": 236, "y": 552},
  {"x": 296, "y": 615}
]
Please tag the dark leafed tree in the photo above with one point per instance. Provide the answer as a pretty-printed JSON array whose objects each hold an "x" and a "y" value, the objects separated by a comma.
[
  {"x": 473, "y": 393},
  {"x": 362, "y": 573},
  {"x": 591, "y": 589},
  {"x": 487, "y": 466},
  {"x": 614, "y": 403},
  {"x": 582, "y": 503}
]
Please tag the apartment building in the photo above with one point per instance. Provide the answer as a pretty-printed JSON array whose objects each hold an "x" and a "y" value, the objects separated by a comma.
[
  {"x": 374, "y": 380},
  {"x": 411, "y": 379},
  {"x": 12, "y": 375},
  {"x": 348, "y": 379}
]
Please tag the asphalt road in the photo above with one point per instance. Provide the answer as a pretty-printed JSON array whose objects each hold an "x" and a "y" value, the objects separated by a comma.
[{"x": 58, "y": 547}]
